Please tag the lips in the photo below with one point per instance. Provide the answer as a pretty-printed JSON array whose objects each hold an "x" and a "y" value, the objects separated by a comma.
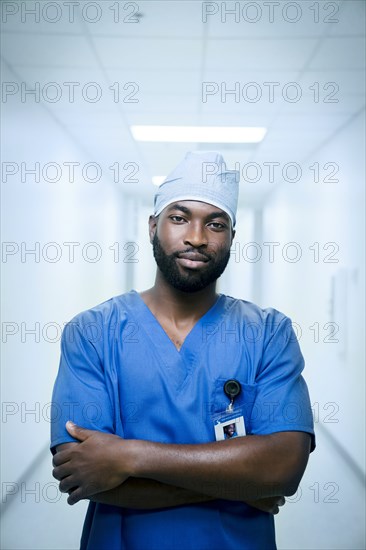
[
  {"x": 194, "y": 256},
  {"x": 192, "y": 260}
]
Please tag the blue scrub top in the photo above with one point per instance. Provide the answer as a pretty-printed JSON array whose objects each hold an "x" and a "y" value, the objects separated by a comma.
[{"x": 120, "y": 373}]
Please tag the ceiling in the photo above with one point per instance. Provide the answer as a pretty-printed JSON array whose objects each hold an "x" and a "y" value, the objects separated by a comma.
[{"x": 163, "y": 60}]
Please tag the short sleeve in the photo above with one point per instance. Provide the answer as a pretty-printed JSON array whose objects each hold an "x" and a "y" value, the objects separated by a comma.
[
  {"x": 80, "y": 392},
  {"x": 282, "y": 399}
]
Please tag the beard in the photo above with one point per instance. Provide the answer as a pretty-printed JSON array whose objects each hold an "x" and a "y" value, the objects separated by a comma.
[{"x": 191, "y": 280}]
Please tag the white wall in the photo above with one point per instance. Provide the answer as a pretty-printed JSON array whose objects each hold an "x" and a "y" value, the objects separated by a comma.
[
  {"x": 324, "y": 213},
  {"x": 41, "y": 295},
  {"x": 313, "y": 290}
]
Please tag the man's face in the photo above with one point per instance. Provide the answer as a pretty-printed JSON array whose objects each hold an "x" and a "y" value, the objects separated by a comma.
[
  {"x": 230, "y": 430},
  {"x": 191, "y": 244}
]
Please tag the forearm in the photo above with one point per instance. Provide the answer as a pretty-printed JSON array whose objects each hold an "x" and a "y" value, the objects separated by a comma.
[
  {"x": 245, "y": 468},
  {"x": 248, "y": 468},
  {"x": 148, "y": 494},
  {"x": 144, "y": 494}
]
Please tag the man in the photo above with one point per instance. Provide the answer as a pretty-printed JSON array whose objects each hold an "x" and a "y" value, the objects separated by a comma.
[
  {"x": 144, "y": 378},
  {"x": 229, "y": 431}
]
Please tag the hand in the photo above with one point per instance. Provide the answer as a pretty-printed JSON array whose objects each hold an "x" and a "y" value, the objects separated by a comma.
[
  {"x": 270, "y": 504},
  {"x": 99, "y": 463}
]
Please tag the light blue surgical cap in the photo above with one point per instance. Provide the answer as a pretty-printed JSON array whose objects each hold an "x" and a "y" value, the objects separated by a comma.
[{"x": 201, "y": 176}]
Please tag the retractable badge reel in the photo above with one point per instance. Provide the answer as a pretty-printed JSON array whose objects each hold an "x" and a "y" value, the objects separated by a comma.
[
  {"x": 230, "y": 423},
  {"x": 232, "y": 388}
]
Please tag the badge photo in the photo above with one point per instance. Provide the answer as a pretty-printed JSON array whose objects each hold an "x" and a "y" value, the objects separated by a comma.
[{"x": 229, "y": 428}]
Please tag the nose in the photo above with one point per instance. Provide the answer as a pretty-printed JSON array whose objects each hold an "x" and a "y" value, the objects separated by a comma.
[{"x": 195, "y": 235}]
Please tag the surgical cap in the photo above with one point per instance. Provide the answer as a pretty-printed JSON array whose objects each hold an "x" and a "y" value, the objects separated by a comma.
[{"x": 201, "y": 176}]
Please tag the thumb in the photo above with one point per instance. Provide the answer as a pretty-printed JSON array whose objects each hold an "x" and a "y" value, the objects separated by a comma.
[{"x": 77, "y": 432}]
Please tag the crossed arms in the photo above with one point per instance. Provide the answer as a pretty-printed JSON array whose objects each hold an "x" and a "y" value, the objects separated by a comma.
[{"x": 257, "y": 469}]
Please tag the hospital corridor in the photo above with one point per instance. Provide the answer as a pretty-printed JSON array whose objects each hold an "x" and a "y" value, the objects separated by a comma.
[{"x": 100, "y": 102}]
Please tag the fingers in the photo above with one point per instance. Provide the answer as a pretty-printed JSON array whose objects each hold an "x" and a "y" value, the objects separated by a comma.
[
  {"x": 64, "y": 475},
  {"x": 75, "y": 496},
  {"x": 79, "y": 493},
  {"x": 61, "y": 471},
  {"x": 70, "y": 484},
  {"x": 67, "y": 484},
  {"x": 61, "y": 458},
  {"x": 77, "y": 432}
]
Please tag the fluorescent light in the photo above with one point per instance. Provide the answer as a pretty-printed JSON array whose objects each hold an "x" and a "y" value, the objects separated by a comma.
[
  {"x": 199, "y": 134},
  {"x": 158, "y": 180}
]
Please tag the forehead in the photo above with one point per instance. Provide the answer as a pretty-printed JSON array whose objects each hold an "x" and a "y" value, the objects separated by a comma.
[{"x": 195, "y": 208}]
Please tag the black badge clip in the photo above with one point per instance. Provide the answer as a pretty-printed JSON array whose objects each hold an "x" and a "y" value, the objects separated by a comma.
[{"x": 232, "y": 388}]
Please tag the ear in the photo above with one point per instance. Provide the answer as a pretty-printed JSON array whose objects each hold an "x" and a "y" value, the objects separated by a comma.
[
  {"x": 233, "y": 232},
  {"x": 153, "y": 221}
]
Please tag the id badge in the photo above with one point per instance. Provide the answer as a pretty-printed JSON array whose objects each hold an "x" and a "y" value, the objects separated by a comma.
[{"x": 229, "y": 425}]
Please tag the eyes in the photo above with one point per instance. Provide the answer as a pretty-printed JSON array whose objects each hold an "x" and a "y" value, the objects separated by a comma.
[{"x": 216, "y": 226}]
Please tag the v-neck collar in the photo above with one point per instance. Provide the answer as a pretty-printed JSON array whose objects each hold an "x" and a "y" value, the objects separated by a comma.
[
  {"x": 152, "y": 320},
  {"x": 183, "y": 362}
]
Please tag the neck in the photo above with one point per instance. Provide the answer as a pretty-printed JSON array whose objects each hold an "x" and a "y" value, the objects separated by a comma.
[{"x": 176, "y": 304}]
